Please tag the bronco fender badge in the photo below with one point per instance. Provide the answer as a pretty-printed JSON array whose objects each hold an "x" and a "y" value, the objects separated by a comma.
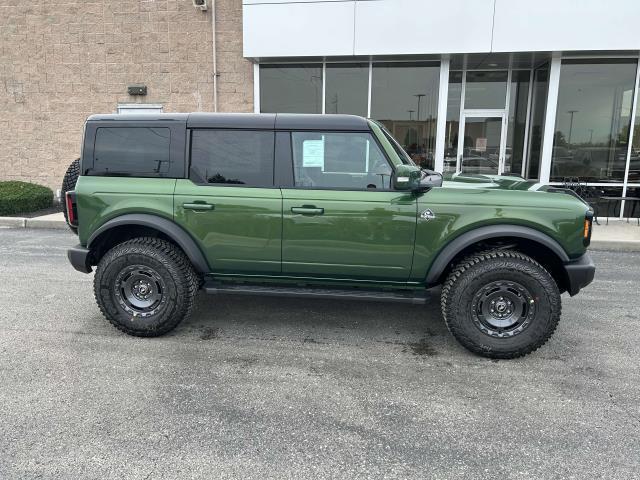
[{"x": 427, "y": 215}]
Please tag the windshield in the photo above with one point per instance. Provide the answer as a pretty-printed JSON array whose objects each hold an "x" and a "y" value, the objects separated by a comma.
[{"x": 406, "y": 159}]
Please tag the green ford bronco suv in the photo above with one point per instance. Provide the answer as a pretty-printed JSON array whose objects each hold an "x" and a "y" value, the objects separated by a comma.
[{"x": 316, "y": 206}]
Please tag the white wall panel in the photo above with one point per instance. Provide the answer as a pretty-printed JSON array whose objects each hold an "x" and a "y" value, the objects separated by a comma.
[
  {"x": 282, "y": 28},
  {"x": 548, "y": 25},
  {"x": 423, "y": 26},
  {"x": 256, "y": 2},
  {"x": 298, "y": 29}
]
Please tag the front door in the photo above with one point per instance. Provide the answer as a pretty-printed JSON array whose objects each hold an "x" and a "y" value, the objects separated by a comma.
[
  {"x": 341, "y": 219},
  {"x": 481, "y": 143},
  {"x": 229, "y": 204}
]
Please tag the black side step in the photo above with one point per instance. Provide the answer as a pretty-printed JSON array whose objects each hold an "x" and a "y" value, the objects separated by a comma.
[{"x": 416, "y": 297}]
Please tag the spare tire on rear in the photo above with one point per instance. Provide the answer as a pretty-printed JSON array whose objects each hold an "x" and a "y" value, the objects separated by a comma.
[{"x": 69, "y": 183}]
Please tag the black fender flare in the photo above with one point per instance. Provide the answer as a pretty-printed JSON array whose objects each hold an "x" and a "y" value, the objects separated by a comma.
[
  {"x": 448, "y": 253},
  {"x": 167, "y": 227}
]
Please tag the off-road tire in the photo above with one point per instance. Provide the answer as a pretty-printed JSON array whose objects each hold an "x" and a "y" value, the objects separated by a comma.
[
  {"x": 463, "y": 291},
  {"x": 69, "y": 183},
  {"x": 173, "y": 271}
]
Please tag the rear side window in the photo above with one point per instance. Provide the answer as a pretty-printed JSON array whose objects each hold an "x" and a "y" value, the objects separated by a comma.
[
  {"x": 232, "y": 157},
  {"x": 132, "y": 151}
]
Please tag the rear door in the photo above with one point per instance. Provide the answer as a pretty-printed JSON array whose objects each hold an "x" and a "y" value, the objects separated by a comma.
[
  {"x": 341, "y": 219},
  {"x": 229, "y": 203}
]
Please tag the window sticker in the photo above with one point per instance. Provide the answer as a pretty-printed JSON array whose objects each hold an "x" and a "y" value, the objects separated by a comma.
[{"x": 313, "y": 153}]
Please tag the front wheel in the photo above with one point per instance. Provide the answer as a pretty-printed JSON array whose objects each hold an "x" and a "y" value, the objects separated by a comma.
[
  {"x": 145, "y": 286},
  {"x": 501, "y": 304}
]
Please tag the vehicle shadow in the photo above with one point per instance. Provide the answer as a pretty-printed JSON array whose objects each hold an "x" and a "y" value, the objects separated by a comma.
[{"x": 420, "y": 329}]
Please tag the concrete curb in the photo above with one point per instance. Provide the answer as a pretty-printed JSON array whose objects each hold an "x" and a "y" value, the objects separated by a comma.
[{"x": 35, "y": 223}]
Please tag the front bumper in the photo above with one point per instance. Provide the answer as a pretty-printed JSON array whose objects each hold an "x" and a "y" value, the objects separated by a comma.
[
  {"x": 79, "y": 258},
  {"x": 580, "y": 273}
]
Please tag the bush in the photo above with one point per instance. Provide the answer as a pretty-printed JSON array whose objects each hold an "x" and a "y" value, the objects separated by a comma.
[{"x": 23, "y": 197}]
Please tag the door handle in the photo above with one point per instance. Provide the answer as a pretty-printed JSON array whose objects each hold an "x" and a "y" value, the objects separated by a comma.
[
  {"x": 307, "y": 210},
  {"x": 198, "y": 206}
]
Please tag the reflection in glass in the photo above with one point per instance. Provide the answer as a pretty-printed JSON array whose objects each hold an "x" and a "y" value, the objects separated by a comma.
[
  {"x": 404, "y": 97},
  {"x": 607, "y": 208},
  {"x": 291, "y": 88},
  {"x": 481, "y": 153},
  {"x": 634, "y": 161},
  {"x": 485, "y": 89},
  {"x": 592, "y": 121},
  {"x": 453, "y": 122},
  {"x": 536, "y": 128},
  {"x": 519, "y": 95},
  {"x": 347, "y": 89},
  {"x": 350, "y": 160},
  {"x": 232, "y": 157},
  {"x": 632, "y": 209}
]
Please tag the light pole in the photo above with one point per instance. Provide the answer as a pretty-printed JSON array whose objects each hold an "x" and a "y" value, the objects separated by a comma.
[
  {"x": 315, "y": 85},
  {"x": 410, "y": 114},
  {"x": 419, "y": 95},
  {"x": 572, "y": 113}
]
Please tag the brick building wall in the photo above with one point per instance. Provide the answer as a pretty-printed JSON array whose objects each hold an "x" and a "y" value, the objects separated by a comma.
[{"x": 62, "y": 60}]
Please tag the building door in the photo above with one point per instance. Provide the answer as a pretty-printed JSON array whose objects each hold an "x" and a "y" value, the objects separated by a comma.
[{"x": 481, "y": 142}]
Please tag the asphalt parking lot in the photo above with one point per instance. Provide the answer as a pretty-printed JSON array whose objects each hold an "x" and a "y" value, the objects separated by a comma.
[{"x": 288, "y": 388}]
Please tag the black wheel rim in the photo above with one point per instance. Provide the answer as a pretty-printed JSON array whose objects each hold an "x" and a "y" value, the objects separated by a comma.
[
  {"x": 503, "y": 308},
  {"x": 140, "y": 290}
]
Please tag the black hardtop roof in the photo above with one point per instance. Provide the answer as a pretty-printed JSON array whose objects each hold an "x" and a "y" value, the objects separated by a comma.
[{"x": 279, "y": 121}]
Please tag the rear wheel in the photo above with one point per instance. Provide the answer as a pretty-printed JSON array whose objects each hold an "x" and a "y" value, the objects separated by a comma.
[
  {"x": 501, "y": 304},
  {"x": 69, "y": 183},
  {"x": 145, "y": 286}
]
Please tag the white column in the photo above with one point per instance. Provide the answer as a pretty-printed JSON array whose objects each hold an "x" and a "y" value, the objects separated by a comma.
[
  {"x": 441, "y": 126},
  {"x": 324, "y": 86},
  {"x": 256, "y": 88},
  {"x": 550, "y": 118},
  {"x": 369, "y": 88}
]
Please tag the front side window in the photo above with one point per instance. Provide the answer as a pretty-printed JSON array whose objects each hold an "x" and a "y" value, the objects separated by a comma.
[
  {"x": 232, "y": 157},
  {"x": 339, "y": 160},
  {"x": 132, "y": 151},
  {"x": 404, "y": 156}
]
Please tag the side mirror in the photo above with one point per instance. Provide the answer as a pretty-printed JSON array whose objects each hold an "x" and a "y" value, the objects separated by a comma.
[
  {"x": 406, "y": 177},
  {"x": 414, "y": 179}
]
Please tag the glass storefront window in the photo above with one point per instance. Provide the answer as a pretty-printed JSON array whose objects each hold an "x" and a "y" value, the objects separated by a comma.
[
  {"x": 592, "y": 120},
  {"x": 517, "y": 121},
  {"x": 536, "y": 127},
  {"x": 404, "y": 97},
  {"x": 634, "y": 162},
  {"x": 453, "y": 121},
  {"x": 485, "y": 89},
  {"x": 347, "y": 87},
  {"x": 632, "y": 209},
  {"x": 291, "y": 88}
]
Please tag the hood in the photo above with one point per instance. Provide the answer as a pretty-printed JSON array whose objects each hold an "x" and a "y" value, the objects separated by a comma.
[
  {"x": 501, "y": 182},
  {"x": 505, "y": 182}
]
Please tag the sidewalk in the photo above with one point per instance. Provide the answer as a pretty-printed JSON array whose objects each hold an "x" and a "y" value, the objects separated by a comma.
[
  {"x": 54, "y": 220},
  {"x": 618, "y": 235}
]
